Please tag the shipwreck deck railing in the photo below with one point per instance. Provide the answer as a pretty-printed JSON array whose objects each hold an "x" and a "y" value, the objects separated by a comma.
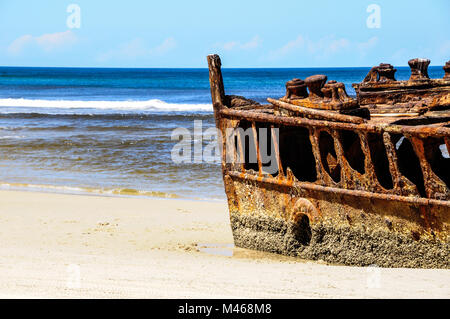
[
  {"x": 370, "y": 159},
  {"x": 351, "y": 182}
]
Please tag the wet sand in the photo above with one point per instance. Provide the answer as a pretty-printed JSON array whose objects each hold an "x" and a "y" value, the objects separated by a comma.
[{"x": 79, "y": 246}]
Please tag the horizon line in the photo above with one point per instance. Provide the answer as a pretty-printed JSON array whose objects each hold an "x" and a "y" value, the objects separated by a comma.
[{"x": 206, "y": 68}]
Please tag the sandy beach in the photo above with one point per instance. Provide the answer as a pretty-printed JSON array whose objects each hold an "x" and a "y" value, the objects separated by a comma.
[{"x": 79, "y": 246}]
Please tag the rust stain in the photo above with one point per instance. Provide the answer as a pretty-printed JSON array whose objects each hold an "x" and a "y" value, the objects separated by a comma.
[{"x": 374, "y": 164}]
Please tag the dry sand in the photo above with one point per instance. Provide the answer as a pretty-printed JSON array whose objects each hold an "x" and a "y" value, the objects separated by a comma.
[{"x": 57, "y": 245}]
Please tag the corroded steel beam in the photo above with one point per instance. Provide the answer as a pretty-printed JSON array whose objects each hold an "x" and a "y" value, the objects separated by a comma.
[
  {"x": 299, "y": 121},
  {"x": 350, "y": 192},
  {"x": 318, "y": 114}
]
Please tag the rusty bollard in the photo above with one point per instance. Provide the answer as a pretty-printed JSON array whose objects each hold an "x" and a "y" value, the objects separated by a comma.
[
  {"x": 329, "y": 92},
  {"x": 386, "y": 72},
  {"x": 335, "y": 91},
  {"x": 315, "y": 84},
  {"x": 296, "y": 89},
  {"x": 447, "y": 70},
  {"x": 419, "y": 69}
]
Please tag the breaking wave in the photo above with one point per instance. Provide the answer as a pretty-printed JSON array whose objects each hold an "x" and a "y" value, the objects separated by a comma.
[{"x": 147, "y": 105}]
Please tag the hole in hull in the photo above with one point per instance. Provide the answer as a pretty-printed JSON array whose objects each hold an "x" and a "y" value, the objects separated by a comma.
[
  {"x": 266, "y": 146},
  {"x": 438, "y": 158},
  {"x": 380, "y": 160},
  {"x": 328, "y": 156},
  {"x": 408, "y": 163},
  {"x": 353, "y": 153},
  {"x": 299, "y": 234},
  {"x": 302, "y": 230},
  {"x": 296, "y": 153}
]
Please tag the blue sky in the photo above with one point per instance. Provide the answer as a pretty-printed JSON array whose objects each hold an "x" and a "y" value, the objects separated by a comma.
[{"x": 283, "y": 33}]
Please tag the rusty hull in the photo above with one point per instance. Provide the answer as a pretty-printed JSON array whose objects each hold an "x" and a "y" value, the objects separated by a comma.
[{"x": 366, "y": 192}]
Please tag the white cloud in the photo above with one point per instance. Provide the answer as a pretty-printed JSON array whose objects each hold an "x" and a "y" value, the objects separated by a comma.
[
  {"x": 131, "y": 49},
  {"x": 364, "y": 47},
  {"x": 229, "y": 45},
  {"x": 288, "y": 47},
  {"x": 252, "y": 44},
  {"x": 444, "y": 50},
  {"x": 321, "y": 48},
  {"x": 326, "y": 46},
  {"x": 18, "y": 44},
  {"x": 52, "y": 41},
  {"x": 235, "y": 45},
  {"x": 167, "y": 45},
  {"x": 337, "y": 45},
  {"x": 137, "y": 48},
  {"x": 46, "y": 42}
]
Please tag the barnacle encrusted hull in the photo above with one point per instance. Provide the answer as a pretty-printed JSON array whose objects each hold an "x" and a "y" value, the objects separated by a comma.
[
  {"x": 352, "y": 186},
  {"x": 356, "y": 231}
]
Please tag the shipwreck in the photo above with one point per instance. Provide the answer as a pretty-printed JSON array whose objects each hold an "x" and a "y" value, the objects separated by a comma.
[{"x": 359, "y": 181}]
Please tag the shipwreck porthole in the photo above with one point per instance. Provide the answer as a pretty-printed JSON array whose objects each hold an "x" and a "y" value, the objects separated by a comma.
[
  {"x": 298, "y": 234},
  {"x": 299, "y": 231},
  {"x": 302, "y": 230}
]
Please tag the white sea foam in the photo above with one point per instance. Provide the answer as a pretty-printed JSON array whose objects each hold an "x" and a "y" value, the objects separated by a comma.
[
  {"x": 148, "y": 105},
  {"x": 85, "y": 190},
  {"x": 6, "y": 137}
]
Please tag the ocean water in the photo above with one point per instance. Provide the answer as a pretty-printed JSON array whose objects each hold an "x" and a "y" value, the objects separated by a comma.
[{"x": 108, "y": 131}]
